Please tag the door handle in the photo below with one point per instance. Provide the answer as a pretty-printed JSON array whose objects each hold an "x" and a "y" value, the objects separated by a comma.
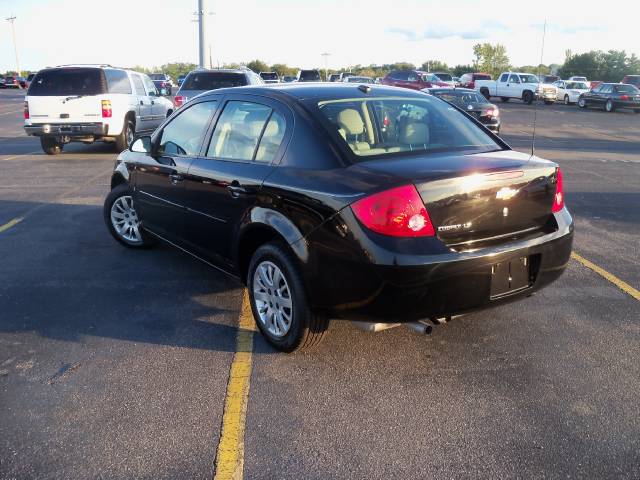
[
  {"x": 175, "y": 178},
  {"x": 236, "y": 191},
  {"x": 153, "y": 102}
]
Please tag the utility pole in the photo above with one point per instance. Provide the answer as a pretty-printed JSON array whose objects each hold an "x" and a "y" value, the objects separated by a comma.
[
  {"x": 325, "y": 56},
  {"x": 11, "y": 20},
  {"x": 202, "y": 30}
]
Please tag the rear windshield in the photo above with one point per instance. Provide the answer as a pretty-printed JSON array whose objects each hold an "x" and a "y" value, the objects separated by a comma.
[
  {"x": 482, "y": 76},
  {"x": 383, "y": 127},
  {"x": 269, "y": 75},
  {"x": 445, "y": 77},
  {"x": 157, "y": 76},
  {"x": 68, "y": 81},
  {"x": 213, "y": 80},
  {"x": 626, "y": 89},
  {"x": 460, "y": 98},
  {"x": 310, "y": 75}
]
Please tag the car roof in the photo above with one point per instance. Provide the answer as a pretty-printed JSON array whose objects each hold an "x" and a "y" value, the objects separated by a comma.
[{"x": 320, "y": 91}]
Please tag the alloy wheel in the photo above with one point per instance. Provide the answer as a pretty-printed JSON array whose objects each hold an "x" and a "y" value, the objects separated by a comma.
[
  {"x": 125, "y": 220},
  {"x": 272, "y": 298},
  {"x": 129, "y": 135},
  {"x": 566, "y": 99}
]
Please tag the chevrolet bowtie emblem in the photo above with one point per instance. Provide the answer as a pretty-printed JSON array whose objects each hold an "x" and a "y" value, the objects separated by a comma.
[{"x": 506, "y": 193}]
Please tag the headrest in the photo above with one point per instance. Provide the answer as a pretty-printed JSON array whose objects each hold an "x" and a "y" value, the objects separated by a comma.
[
  {"x": 351, "y": 122},
  {"x": 414, "y": 133}
]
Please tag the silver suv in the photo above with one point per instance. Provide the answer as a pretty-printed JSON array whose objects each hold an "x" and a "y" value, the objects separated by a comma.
[{"x": 200, "y": 81}]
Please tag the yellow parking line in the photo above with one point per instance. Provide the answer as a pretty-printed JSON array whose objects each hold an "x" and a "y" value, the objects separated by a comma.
[
  {"x": 622, "y": 285},
  {"x": 10, "y": 224},
  {"x": 229, "y": 463}
]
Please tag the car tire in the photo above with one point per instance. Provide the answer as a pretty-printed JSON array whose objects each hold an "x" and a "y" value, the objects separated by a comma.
[
  {"x": 582, "y": 103},
  {"x": 505, "y": 99},
  {"x": 485, "y": 93},
  {"x": 566, "y": 100},
  {"x": 122, "y": 220},
  {"x": 123, "y": 141},
  {"x": 609, "y": 106},
  {"x": 273, "y": 266},
  {"x": 527, "y": 97},
  {"x": 51, "y": 146}
]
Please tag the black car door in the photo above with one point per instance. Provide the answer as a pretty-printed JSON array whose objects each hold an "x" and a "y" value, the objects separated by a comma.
[
  {"x": 159, "y": 176},
  {"x": 245, "y": 143},
  {"x": 590, "y": 97}
]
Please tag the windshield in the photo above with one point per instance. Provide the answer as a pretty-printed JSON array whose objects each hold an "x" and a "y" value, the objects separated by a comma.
[
  {"x": 269, "y": 75},
  {"x": 359, "y": 80},
  {"x": 429, "y": 77},
  {"x": 481, "y": 76},
  {"x": 528, "y": 78},
  {"x": 213, "y": 80},
  {"x": 445, "y": 77},
  {"x": 580, "y": 79},
  {"x": 460, "y": 98},
  {"x": 156, "y": 76},
  {"x": 577, "y": 86},
  {"x": 309, "y": 75},
  {"x": 387, "y": 126},
  {"x": 68, "y": 82}
]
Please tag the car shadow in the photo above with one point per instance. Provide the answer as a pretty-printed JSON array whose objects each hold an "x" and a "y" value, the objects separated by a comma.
[{"x": 65, "y": 278}]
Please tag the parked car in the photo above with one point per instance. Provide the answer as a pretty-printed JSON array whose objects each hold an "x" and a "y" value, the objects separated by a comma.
[
  {"x": 11, "y": 81},
  {"x": 413, "y": 79},
  {"x": 456, "y": 82},
  {"x": 357, "y": 79},
  {"x": 468, "y": 80},
  {"x": 334, "y": 77},
  {"x": 200, "y": 81},
  {"x": 2, "y": 80},
  {"x": 181, "y": 79},
  {"x": 632, "y": 80},
  {"x": 445, "y": 78},
  {"x": 569, "y": 92},
  {"x": 269, "y": 77},
  {"x": 308, "y": 76},
  {"x": 382, "y": 204},
  {"x": 472, "y": 103},
  {"x": 79, "y": 103},
  {"x": 518, "y": 85},
  {"x": 612, "y": 96},
  {"x": 550, "y": 78},
  {"x": 576, "y": 78},
  {"x": 288, "y": 79},
  {"x": 163, "y": 83}
]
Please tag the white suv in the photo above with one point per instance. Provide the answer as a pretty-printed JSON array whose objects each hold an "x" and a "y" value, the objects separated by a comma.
[{"x": 82, "y": 103}]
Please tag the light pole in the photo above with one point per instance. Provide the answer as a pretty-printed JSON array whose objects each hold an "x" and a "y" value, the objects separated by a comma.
[
  {"x": 325, "y": 56},
  {"x": 11, "y": 20},
  {"x": 202, "y": 31}
]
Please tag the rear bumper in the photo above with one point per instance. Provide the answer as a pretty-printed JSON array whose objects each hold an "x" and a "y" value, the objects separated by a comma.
[
  {"x": 405, "y": 288},
  {"x": 627, "y": 104},
  {"x": 67, "y": 129}
]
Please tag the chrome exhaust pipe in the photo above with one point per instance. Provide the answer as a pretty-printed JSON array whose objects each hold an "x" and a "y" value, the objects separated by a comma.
[{"x": 419, "y": 327}]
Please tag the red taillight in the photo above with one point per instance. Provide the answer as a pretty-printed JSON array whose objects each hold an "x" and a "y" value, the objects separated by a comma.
[
  {"x": 471, "y": 85},
  {"x": 624, "y": 97},
  {"x": 178, "y": 101},
  {"x": 106, "y": 109},
  {"x": 492, "y": 112},
  {"x": 398, "y": 212},
  {"x": 26, "y": 110},
  {"x": 558, "y": 198}
]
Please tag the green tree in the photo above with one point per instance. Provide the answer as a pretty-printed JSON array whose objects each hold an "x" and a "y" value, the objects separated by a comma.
[
  {"x": 258, "y": 66},
  {"x": 490, "y": 58},
  {"x": 434, "y": 66},
  {"x": 283, "y": 69},
  {"x": 460, "y": 70}
]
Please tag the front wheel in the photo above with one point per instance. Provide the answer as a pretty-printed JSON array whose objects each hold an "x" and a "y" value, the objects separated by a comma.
[
  {"x": 609, "y": 107},
  {"x": 122, "y": 219},
  {"x": 279, "y": 301},
  {"x": 566, "y": 100},
  {"x": 527, "y": 97},
  {"x": 50, "y": 145},
  {"x": 582, "y": 103}
]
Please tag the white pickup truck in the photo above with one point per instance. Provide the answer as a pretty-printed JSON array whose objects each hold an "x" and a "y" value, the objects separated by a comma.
[{"x": 523, "y": 86}]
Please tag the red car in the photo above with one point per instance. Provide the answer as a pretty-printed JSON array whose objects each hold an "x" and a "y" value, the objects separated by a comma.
[
  {"x": 414, "y": 79},
  {"x": 468, "y": 80},
  {"x": 11, "y": 82},
  {"x": 631, "y": 80}
]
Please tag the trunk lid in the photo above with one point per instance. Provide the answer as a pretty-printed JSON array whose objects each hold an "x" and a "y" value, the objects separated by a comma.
[
  {"x": 481, "y": 199},
  {"x": 67, "y": 109}
]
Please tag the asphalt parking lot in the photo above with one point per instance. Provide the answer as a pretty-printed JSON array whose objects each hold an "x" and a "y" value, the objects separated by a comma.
[{"x": 115, "y": 363}]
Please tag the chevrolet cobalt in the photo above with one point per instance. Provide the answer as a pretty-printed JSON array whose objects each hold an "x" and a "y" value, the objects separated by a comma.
[{"x": 343, "y": 201}]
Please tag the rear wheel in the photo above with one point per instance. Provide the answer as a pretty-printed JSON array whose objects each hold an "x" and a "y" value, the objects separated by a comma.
[
  {"x": 122, "y": 219},
  {"x": 566, "y": 100},
  {"x": 279, "y": 302},
  {"x": 527, "y": 97},
  {"x": 126, "y": 137},
  {"x": 609, "y": 107},
  {"x": 51, "y": 146},
  {"x": 582, "y": 103}
]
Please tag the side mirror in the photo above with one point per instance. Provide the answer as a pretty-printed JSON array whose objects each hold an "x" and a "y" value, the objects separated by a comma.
[{"x": 141, "y": 145}]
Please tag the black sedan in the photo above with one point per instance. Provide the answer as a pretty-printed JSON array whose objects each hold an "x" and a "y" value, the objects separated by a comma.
[
  {"x": 612, "y": 96},
  {"x": 345, "y": 202},
  {"x": 472, "y": 103}
]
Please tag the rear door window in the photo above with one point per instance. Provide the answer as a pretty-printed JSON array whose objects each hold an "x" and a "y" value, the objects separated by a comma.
[
  {"x": 213, "y": 80},
  {"x": 118, "y": 81},
  {"x": 138, "y": 85},
  {"x": 184, "y": 134},
  {"x": 68, "y": 82}
]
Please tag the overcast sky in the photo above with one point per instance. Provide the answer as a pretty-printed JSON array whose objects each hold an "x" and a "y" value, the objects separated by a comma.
[{"x": 296, "y": 32}]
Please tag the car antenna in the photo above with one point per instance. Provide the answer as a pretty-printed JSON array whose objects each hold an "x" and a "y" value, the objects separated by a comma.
[{"x": 535, "y": 107}]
